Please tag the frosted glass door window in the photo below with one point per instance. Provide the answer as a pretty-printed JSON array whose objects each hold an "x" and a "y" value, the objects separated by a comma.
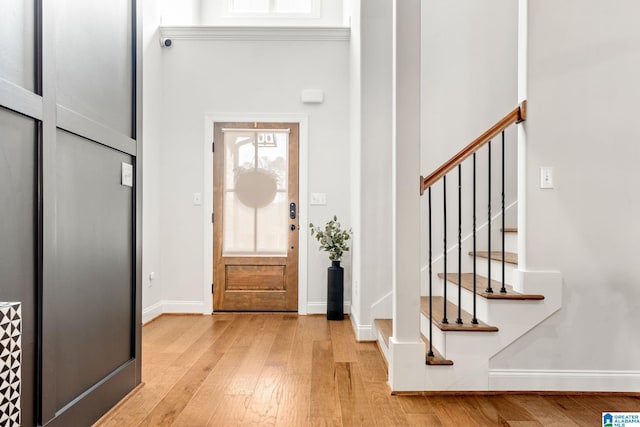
[
  {"x": 17, "y": 43},
  {"x": 255, "y": 202}
]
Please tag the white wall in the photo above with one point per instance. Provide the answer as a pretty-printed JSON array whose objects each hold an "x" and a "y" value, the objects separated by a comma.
[
  {"x": 371, "y": 81},
  {"x": 583, "y": 92},
  {"x": 262, "y": 77},
  {"x": 352, "y": 13},
  {"x": 469, "y": 82},
  {"x": 469, "y": 69},
  {"x": 152, "y": 111}
]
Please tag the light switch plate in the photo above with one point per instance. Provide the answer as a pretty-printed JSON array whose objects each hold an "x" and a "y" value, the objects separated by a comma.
[
  {"x": 318, "y": 198},
  {"x": 127, "y": 175},
  {"x": 197, "y": 199}
]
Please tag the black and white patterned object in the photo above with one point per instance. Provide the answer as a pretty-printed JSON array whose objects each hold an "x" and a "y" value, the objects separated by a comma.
[{"x": 10, "y": 358}]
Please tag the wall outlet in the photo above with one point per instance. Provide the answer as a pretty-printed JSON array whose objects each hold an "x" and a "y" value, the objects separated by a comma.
[{"x": 546, "y": 177}]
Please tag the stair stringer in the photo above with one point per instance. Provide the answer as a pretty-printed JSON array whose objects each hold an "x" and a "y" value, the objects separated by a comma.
[{"x": 472, "y": 351}]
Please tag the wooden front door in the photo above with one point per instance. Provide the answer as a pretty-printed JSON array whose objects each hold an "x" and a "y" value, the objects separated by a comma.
[{"x": 255, "y": 228}]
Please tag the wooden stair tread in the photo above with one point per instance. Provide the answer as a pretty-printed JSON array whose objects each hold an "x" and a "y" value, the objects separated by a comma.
[
  {"x": 510, "y": 229},
  {"x": 452, "y": 314},
  {"x": 437, "y": 359},
  {"x": 385, "y": 326},
  {"x": 509, "y": 257},
  {"x": 481, "y": 285}
]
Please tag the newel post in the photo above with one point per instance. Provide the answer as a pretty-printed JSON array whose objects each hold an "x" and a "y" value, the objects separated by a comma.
[{"x": 406, "y": 364}]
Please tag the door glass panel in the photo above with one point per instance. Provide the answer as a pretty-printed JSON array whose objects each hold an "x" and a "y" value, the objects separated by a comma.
[
  {"x": 272, "y": 219},
  {"x": 17, "y": 43},
  {"x": 256, "y": 193}
]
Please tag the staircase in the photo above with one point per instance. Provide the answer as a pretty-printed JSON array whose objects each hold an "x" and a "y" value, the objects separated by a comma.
[{"x": 470, "y": 315}]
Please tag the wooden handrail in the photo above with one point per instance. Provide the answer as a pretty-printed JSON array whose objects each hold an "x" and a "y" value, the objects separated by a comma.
[{"x": 519, "y": 114}]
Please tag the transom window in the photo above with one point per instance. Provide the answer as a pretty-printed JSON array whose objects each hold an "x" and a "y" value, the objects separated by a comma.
[{"x": 274, "y": 8}]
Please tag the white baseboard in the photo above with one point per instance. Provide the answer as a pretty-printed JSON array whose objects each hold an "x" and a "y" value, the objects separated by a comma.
[
  {"x": 189, "y": 307},
  {"x": 363, "y": 332},
  {"x": 176, "y": 307},
  {"x": 321, "y": 307},
  {"x": 564, "y": 380},
  {"x": 151, "y": 312}
]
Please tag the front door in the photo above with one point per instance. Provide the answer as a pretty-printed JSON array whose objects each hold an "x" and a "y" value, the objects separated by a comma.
[{"x": 255, "y": 228}]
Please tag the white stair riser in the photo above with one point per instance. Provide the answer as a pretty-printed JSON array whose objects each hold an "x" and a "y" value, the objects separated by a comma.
[
  {"x": 467, "y": 300},
  {"x": 496, "y": 270},
  {"x": 382, "y": 345},
  {"x": 510, "y": 242}
]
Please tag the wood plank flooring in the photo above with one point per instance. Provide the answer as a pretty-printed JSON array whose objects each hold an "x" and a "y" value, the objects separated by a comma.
[{"x": 284, "y": 370}]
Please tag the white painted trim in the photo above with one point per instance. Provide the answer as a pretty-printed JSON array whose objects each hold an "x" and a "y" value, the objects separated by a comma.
[
  {"x": 406, "y": 363},
  {"x": 321, "y": 308},
  {"x": 175, "y": 307},
  {"x": 522, "y": 196},
  {"x": 383, "y": 347},
  {"x": 151, "y": 312},
  {"x": 19, "y": 99},
  {"x": 523, "y": 54},
  {"x": 564, "y": 380},
  {"x": 187, "y": 307},
  {"x": 238, "y": 33},
  {"x": 363, "y": 332},
  {"x": 303, "y": 191}
]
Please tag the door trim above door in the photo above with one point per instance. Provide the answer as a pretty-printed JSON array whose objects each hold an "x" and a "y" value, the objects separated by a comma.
[{"x": 303, "y": 184}]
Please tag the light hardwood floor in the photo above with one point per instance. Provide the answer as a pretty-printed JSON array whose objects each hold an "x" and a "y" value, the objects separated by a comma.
[{"x": 285, "y": 370}]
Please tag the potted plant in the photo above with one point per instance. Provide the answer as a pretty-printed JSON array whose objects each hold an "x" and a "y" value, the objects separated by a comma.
[{"x": 335, "y": 240}]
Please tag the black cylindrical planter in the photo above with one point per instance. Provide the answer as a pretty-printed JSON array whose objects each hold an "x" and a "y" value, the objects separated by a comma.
[{"x": 335, "y": 292}]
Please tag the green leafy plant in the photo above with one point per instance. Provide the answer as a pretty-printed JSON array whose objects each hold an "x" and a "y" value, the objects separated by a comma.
[{"x": 332, "y": 238}]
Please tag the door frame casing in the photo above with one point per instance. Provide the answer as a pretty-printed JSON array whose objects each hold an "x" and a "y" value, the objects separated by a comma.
[{"x": 207, "y": 199}]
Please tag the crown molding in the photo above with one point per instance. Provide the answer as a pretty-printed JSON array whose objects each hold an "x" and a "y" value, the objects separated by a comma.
[{"x": 257, "y": 33}]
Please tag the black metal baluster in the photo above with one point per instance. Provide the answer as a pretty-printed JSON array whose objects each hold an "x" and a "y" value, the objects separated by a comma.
[
  {"x": 489, "y": 290},
  {"x": 503, "y": 289},
  {"x": 474, "y": 319},
  {"x": 459, "y": 319},
  {"x": 430, "y": 353},
  {"x": 444, "y": 192}
]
